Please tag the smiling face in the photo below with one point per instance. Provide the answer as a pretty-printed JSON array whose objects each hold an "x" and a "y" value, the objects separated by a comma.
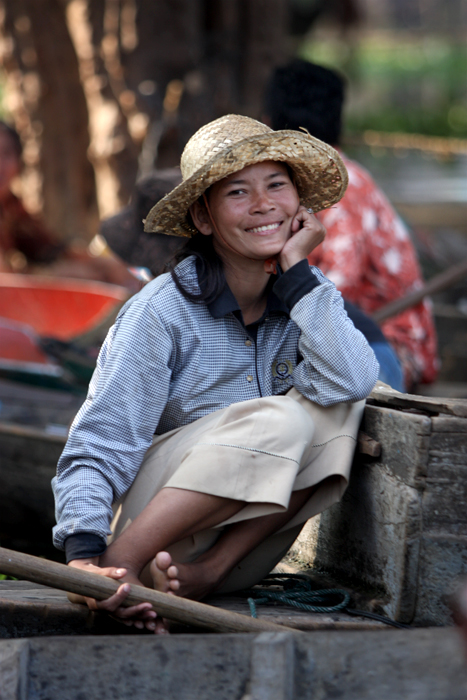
[{"x": 253, "y": 210}]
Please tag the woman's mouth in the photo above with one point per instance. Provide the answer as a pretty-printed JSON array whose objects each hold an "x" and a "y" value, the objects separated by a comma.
[{"x": 264, "y": 230}]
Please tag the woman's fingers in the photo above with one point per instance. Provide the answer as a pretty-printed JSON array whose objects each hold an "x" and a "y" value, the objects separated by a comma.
[
  {"x": 307, "y": 233},
  {"x": 141, "y": 615},
  {"x": 115, "y": 601}
]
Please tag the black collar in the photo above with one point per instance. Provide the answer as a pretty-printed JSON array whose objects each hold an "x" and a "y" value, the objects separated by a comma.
[{"x": 226, "y": 303}]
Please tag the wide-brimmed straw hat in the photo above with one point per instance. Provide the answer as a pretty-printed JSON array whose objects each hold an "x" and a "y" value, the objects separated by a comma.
[{"x": 233, "y": 142}]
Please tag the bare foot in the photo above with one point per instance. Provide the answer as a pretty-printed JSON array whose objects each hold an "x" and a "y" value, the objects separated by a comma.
[
  {"x": 195, "y": 580},
  {"x": 164, "y": 573}
]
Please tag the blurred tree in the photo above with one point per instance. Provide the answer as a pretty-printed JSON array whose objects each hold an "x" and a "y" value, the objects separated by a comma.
[
  {"x": 103, "y": 89},
  {"x": 47, "y": 103}
]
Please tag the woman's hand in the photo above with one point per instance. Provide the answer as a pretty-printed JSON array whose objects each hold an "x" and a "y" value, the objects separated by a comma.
[
  {"x": 141, "y": 615},
  {"x": 306, "y": 234}
]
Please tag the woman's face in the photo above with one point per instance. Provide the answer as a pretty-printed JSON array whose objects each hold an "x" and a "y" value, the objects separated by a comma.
[
  {"x": 10, "y": 164},
  {"x": 253, "y": 210}
]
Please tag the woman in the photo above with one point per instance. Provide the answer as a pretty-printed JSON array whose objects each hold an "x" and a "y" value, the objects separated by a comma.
[{"x": 226, "y": 400}]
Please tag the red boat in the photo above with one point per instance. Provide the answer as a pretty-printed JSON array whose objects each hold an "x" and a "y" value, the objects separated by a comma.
[{"x": 34, "y": 307}]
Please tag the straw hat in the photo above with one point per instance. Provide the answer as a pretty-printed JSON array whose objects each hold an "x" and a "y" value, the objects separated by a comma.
[{"x": 230, "y": 144}]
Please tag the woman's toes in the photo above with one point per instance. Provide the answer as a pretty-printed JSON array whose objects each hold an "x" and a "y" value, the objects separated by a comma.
[
  {"x": 163, "y": 560},
  {"x": 174, "y": 585},
  {"x": 172, "y": 571},
  {"x": 164, "y": 573}
]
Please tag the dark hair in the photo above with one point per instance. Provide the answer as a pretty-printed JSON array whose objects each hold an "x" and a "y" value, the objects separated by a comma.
[
  {"x": 303, "y": 94},
  {"x": 14, "y": 138},
  {"x": 208, "y": 265}
]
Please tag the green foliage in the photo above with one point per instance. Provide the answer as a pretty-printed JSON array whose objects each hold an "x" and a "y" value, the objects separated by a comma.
[{"x": 414, "y": 85}]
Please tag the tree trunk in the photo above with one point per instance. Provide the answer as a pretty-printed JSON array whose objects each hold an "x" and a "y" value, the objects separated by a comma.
[
  {"x": 50, "y": 113},
  {"x": 90, "y": 78}
]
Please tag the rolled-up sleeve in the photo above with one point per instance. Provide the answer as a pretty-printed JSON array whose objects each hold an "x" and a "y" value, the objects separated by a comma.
[{"x": 115, "y": 426}]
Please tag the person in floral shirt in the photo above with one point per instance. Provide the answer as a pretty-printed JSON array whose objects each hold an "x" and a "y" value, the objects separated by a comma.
[{"x": 367, "y": 252}]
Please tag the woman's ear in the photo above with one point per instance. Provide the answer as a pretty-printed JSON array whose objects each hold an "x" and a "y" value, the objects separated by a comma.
[{"x": 201, "y": 218}]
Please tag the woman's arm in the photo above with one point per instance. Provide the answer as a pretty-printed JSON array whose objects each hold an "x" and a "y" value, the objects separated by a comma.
[
  {"x": 115, "y": 425},
  {"x": 337, "y": 362}
]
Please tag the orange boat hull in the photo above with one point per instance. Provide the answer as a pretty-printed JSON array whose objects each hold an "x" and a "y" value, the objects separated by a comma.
[{"x": 56, "y": 307}]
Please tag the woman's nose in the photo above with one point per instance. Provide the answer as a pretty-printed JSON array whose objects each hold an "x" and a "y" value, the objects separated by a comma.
[{"x": 261, "y": 201}]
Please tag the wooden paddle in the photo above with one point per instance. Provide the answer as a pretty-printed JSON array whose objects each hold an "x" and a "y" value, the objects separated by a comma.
[{"x": 187, "y": 612}]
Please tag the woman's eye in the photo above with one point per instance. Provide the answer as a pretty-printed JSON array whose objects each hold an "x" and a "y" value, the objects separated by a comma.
[
  {"x": 277, "y": 183},
  {"x": 235, "y": 192}
]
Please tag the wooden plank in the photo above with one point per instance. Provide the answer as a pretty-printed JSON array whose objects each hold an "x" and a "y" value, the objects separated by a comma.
[
  {"x": 181, "y": 610},
  {"x": 450, "y": 443},
  {"x": 444, "y": 501},
  {"x": 404, "y": 440},
  {"x": 449, "y": 424},
  {"x": 367, "y": 446},
  {"x": 52, "y": 605},
  {"x": 14, "y": 430},
  {"x": 385, "y": 396}
]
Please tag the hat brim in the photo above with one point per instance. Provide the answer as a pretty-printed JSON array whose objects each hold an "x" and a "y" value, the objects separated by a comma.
[{"x": 320, "y": 176}]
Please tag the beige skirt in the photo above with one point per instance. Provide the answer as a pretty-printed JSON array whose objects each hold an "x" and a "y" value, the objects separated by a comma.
[{"x": 256, "y": 451}]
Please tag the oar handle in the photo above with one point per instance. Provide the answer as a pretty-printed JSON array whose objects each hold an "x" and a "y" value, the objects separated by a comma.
[{"x": 187, "y": 612}]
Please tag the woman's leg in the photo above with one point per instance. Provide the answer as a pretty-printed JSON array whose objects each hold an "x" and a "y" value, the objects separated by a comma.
[
  {"x": 207, "y": 573},
  {"x": 169, "y": 517}
]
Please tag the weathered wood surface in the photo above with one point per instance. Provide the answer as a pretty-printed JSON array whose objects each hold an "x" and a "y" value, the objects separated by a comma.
[
  {"x": 28, "y": 609},
  {"x": 37, "y": 407},
  {"x": 401, "y": 527},
  {"x": 385, "y": 396},
  {"x": 390, "y": 664},
  {"x": 182, "y": 610},
  {"x": 28, "y": 461}
]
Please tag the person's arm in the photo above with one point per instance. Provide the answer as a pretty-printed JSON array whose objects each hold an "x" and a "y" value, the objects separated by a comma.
[
  {"x": 337, "y": 362},
  {"x": 113, "y": 429}
]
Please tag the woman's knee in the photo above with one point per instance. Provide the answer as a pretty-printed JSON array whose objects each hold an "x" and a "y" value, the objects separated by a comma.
[{"x": 286, "y": 414}]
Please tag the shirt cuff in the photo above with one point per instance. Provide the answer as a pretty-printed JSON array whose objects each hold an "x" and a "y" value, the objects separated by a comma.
[
  {"x": 295, "y": 283},
  {"x": 84, "y": 545}
]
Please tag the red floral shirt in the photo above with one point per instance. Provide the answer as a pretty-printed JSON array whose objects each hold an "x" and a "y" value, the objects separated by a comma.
[{"x": 369, "y": 256}]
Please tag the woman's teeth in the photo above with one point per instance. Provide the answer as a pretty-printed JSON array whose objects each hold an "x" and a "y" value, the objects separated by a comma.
[{"x": 262, "y": 229}]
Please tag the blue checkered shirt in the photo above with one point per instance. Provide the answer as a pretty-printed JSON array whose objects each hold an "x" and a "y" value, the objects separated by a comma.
[{"x": 168, "y": 361}]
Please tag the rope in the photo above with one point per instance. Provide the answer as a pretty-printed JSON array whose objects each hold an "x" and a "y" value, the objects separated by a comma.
[{"x": 297, "y": 592}]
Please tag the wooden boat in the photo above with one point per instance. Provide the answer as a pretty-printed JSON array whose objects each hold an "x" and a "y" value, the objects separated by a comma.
[
  {"x": 400, "y": 533},
  {"x": 34, "y": 308}
]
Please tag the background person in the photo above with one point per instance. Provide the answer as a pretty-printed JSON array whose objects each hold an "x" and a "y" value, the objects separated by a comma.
[
  {"x": 26, "y": 246},
  {"x": 367, "y": 251},
  {"x": 226, "y": 400}
]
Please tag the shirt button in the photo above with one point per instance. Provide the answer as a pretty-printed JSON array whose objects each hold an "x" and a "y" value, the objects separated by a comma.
[
  {"x": 249, "y": 378},
  {"x": 248, "y": 342}
]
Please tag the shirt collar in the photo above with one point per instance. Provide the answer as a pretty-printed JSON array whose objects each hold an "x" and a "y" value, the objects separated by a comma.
[{"x": 226, "y": 303}]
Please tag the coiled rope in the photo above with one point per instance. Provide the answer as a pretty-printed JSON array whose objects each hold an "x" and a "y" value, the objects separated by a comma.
[{"x": 297, "y": 592}]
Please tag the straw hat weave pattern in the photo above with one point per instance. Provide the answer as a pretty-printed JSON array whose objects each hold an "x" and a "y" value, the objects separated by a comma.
[{"x": 233, "y": 142}]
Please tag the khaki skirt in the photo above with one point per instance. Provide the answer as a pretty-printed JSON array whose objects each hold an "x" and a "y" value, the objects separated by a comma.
[{"x": 256, "y": 451}]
